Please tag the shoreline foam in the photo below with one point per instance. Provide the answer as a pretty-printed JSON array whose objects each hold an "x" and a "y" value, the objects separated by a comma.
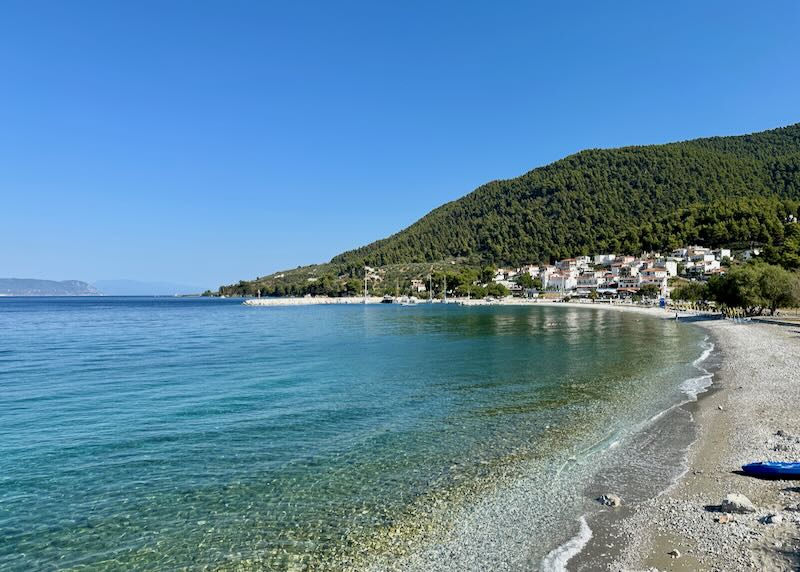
[
  {"x": 757, "y": 365},
  {"x": 692, "y": 388},
  {"x": 748, "y": 413},
  {"x": 754, "y": 397},
  {"x": 466, "y": 548},
  {"x": 557, "y": 559},
  {"x": 608, "y": 525}
]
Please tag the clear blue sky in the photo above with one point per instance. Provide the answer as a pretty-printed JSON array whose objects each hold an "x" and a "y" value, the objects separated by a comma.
[{"x": 204, "y": 142}]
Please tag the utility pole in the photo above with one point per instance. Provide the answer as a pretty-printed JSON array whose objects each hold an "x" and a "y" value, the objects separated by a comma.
[
  {"x": 365, "y": 284},
  {"x": 445, "y": 289}
]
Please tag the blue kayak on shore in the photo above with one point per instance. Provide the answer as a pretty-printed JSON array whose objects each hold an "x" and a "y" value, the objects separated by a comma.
[{"x": 774, "y": 470}]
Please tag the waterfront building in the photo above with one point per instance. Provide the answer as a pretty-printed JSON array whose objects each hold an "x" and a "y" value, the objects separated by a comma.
[{"x": 604, "y": 259}]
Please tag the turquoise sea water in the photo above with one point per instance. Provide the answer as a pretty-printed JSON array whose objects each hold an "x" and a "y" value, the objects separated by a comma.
[{"x": 159, "y": 434}]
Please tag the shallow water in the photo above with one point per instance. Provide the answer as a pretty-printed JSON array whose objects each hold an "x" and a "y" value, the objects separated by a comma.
[{"x": 168, "y": 433}]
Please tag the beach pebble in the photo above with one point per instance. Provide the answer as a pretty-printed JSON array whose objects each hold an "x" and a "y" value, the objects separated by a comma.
[
  {"x": 674, "y": 553},
  {"x": 736, "y": 502},
  {"x": 725, "y": 519},
  {"x": 793, "y": 507},
  {"x": 611, "y": 500},
  {"x": 773, "y": 519}
]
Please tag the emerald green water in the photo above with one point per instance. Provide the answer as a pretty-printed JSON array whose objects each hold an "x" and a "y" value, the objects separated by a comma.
[{"x": 160, "y": 434}]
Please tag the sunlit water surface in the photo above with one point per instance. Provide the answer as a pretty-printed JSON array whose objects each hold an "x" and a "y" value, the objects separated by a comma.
[{"x": 166, "y": 433}]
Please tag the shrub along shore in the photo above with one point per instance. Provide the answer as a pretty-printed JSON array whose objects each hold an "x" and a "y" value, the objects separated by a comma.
[{"x": 754, "y": 288}]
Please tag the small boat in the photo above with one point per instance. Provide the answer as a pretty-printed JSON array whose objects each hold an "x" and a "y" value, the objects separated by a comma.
[{"x": 773, "y": 470}]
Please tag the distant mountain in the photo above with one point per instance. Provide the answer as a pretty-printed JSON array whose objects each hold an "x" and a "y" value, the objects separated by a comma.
[
  {"x": 712, "y": 191},
  {"x": 138, "y": 288},
  {"x": 34, "y": 287}
]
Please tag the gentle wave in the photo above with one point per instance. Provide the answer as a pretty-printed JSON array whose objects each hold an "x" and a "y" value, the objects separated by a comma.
[
  {"x": 556, "y": 560},
  {"x": 305, "y": 424},
  {"x": 692, "y": 387}
]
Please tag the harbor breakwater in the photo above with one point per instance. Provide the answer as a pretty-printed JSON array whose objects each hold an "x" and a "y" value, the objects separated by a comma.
[{"x": 311, "y": 301}]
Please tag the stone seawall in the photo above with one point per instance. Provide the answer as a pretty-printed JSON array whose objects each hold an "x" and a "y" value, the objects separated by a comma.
[{"x": 310, "y": 301}]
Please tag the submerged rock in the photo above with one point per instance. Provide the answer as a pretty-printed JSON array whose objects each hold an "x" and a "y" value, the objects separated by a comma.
[
  {"x": 674, "y": 553},
  {"x": 611, "y": 500},
  {"x": 736, "y": 502}
]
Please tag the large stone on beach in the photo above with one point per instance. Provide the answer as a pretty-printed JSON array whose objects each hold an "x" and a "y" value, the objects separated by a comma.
[
  {"x": 736, "y": 502},
  {"x": 610, "y": 500}
]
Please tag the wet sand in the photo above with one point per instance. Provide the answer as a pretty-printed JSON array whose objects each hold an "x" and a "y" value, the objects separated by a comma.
[
  {"x": 752, "y": 413},
  {"x": 494, "y": 531}
]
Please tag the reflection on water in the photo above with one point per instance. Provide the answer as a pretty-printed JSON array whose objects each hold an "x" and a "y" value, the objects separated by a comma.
[{"x": 182, "y": 433}]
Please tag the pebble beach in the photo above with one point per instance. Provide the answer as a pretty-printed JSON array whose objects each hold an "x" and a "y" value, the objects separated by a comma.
[{"x": 750, "y": 414}]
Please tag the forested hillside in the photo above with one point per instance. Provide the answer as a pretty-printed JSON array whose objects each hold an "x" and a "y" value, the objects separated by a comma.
[
  {"x": 613, "y": 200},
  {"x": 714, "y": 191}
]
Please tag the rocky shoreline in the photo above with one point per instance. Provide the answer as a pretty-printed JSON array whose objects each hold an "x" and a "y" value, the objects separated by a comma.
[
  {"x": 751, "y": 414},
  {"x": 492, "y": 532}
]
